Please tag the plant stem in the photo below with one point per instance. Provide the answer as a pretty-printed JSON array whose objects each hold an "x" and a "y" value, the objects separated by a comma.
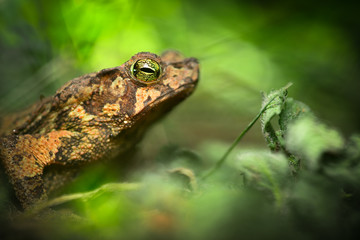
[{"x": 237, "y": 140}]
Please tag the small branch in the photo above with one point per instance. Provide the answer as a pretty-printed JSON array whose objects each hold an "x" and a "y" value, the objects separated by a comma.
[{"x": 110, "y": 187}]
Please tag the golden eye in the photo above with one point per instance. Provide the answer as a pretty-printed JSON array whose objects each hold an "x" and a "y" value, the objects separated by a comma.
[{"x": 146, "y": 70}]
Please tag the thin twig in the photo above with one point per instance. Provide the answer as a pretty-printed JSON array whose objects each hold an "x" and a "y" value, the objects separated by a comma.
[{"x": 109, "y": 187}]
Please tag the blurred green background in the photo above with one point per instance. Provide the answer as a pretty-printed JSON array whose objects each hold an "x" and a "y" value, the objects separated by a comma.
[{"x": 244, "y": 47}]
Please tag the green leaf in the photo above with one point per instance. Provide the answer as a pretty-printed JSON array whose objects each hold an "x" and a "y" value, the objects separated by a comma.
[
  {"x": 309, "y": 139},
  {"x": 292, "y": 110},
  {"x": 265, "y": 170},
  {"x": 275, "y": 106},
  {"x": 277, "y": 98},
  {"x": 346, "y": 170}
]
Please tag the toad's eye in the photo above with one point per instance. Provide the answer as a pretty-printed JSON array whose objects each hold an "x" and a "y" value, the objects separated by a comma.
[{"x": 146, "y": 70}]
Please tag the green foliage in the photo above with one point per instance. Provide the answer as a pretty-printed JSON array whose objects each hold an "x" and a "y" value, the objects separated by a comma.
[
  {"x": 306, "y": 186},
  {"x": 277, "y": 100},
  {"x": 265, "y": 171},
  {"x": 256, "y": 194},
  {"x": 310, "y": 139}
]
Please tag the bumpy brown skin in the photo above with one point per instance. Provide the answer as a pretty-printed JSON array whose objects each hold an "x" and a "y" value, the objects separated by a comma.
[{"x": 93, "y": 116}]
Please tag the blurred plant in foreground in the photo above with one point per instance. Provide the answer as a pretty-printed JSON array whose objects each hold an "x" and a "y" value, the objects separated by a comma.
[{"x": 306, "y": 187}]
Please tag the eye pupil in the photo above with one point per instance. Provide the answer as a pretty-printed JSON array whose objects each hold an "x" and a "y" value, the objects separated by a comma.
[{"x": 146, "y": 70}]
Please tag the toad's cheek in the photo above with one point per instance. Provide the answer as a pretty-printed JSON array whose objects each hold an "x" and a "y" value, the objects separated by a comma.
[{"x": 144, "y": 96}]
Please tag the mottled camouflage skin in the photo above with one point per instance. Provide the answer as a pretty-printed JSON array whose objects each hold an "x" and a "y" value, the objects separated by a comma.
[{"x": 92, "y": 116}]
